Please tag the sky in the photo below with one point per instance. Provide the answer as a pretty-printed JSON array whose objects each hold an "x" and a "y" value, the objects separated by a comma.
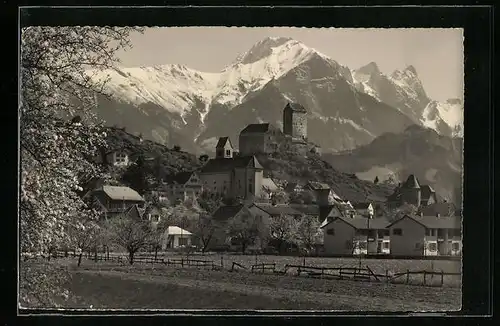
[{"x": 437, "y": 54}]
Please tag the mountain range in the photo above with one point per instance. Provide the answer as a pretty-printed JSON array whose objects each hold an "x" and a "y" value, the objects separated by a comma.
[
  {"x": 176, "y": 105},
  {"x": 434, "y": 159}
]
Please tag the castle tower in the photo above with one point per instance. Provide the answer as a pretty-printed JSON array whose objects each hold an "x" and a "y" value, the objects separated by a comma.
[
  {"x": 295, "y": 121},
  {"x": 411, "y": 192},
  {"x": 224, "y": 148}
]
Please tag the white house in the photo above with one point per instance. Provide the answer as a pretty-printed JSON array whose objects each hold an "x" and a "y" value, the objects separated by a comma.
[
  {"x": 354, "y": 235},
  {"x": 175, "y": 237},
  {"x": 364, "y": 209},
  {"x": 426, "y": 236}
]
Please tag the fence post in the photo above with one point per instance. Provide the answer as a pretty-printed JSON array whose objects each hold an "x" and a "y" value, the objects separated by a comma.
[
  {"x": 442, "y": 278},
  {"x": 340, "y": 273},
  {"x": 425, "y": 276},
  {"x": 222, "y": 261},
  {"x": 407, "y": 276},
  {"x": 182, "y": 262},
  {"x": 298, "y": 271},
  {"x": 387, "y": 276}
]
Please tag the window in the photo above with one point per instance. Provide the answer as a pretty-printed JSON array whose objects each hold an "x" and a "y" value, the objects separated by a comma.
[
  {"x": 330, "y": 231},
  {"x": 397, "y": 232},
  {"x": 385, "y": 245},
  {"x": 228, "y": 152},
  {"x": 455, "y": 246},
  {"x": 183, "y": 241},
  {"x": 430, "y": 232},
  {"x": 432, "y": 246}
]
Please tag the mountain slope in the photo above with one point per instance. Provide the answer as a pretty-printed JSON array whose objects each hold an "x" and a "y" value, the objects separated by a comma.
[
  {"x": 433, "y": 158},
  {"x": 404, "y": 91}
]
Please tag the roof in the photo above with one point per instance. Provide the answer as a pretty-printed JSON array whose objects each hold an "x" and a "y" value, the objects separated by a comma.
[
  {"x": 361, "y": 205},
  {"x": 122, "y": 193},
  {"x": 433, "y": 222},
  {"x": 444, "y": 209},
  {"x": 295, "y": 107},
  {"x": 269, "y": 184},
  {"x": 361, "y": 223},
  {"x": 411, "y": 182},
  {"x": 318, "y": 185},
  {"x": 278, "y": 209},
  {"x": 179, "y": 178},
  {"x": 222, "y": 142},
  {"x": 228, "y": 164},
  {"x": 426, "y": 191},
  {"x": 306, "y": 209},
  {"x": 330, "y": 211},
  {"x": 256, "y": 128},
  {"x": 134, "y": 212},
  {"x": 175, "y": 230},
  {"x": 223, "y": 213}
]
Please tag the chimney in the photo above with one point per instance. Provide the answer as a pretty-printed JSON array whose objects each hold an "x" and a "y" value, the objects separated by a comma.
[
  {"x": 421, "y": 214},
  {"x": 438, "y": 215}
]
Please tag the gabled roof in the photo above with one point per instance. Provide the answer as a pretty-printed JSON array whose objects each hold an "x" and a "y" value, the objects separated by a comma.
[
  {"x": 361, "y": 223},
  {"x": 411, "y": 183},
  {"x": 122, "y": 193},
  {"x": 134, "y": 212},
  {"x": 278, "y": 209},
  {"x": 268, "y": 183},
  {"x": 256, "y": 128},
  {"x": 222, "y": 142},
  {"x": 217, "y": 165},
  {"x": 330, "y": 211},
  {"x": 179, "y": 178},
  {"x": 432, "y": 222},
  {"x": 306, "y": 209},
  {"x": 426, "y": 191},
  {"x": 361, "y": 205},
  {"x": 175, "y": 230},
  {"x": 314, "y": 185},
  {"x": 295, "y": 107},
  {"x": 444, "y": 209},
  {"x": 223, "y": 213}
]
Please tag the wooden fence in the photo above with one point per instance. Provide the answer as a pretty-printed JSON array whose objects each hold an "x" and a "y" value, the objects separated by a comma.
[{"x": 420, "y": 277}]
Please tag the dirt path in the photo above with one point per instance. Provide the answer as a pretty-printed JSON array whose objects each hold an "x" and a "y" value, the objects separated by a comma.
[{"x": 350, "y": 302}]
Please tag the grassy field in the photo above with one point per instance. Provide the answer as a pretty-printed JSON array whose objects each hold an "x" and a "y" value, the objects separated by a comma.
[{"x": 141, "y": 286}]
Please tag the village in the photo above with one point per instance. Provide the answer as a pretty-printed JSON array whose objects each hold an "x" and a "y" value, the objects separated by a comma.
[{"x": 262, "y": 214}]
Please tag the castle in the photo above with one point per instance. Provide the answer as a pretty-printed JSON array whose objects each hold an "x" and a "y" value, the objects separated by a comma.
[{"x": 242, "y": 175}]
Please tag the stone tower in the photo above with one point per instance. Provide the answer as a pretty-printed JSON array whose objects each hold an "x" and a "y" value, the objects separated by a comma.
[
  {"x": 295, "y": 121},
  {"x": 410, "y": 191}
]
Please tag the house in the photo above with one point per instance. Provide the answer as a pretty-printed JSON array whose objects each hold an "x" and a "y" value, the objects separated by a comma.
[
  {"x": 233, "y": 176},
  {"x": 176, "y": 237},
  {"x": 119, "y": 157},
  {"x": 181, "y": 187},
  {"x": 321, "y": 192},
  {"x": 224, "y": 214},
  {"x": 260, "y": 138},
  {"x": 114, "y": 200},
  {"x": 364, "y": 209},
  {"x": 419, "y": 235},
  {"x": 355, "y": 235},
  {"x": 295, "y": 121}
]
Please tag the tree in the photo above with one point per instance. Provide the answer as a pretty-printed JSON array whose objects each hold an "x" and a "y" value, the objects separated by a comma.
[
  {"x": 302, "y": 197},
  {"x": 60, "y": 76},
  {"x": 283, "y": 229},
  {"x": 203, "y": 158},
  {"x": 376, "y": 179},
  {"x": 136, "y": 176},
  {"x": 130, "y": 233},
  {"x": 85, "y": 237},
  {"x": 309, "y": 233},
  {"x": 243, "y": 229},
  {"x": 177, "y": 148},
  {"x": 402, "y": 210},
  {"x": 279, "y": 197}
]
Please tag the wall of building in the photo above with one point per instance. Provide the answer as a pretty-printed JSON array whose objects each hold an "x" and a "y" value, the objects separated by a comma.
[
  {"x": 411, "y": 196},
  {"x": 263, "y": 222},
  {"x": 406, "y": 244},
  {"x": 112, "y": 159},
  {"x": 341, "y": 242},
  {"x": 216, "y": 182},
  {"x": 251, "y": 143},
  {"x": 299, "y": 125}
]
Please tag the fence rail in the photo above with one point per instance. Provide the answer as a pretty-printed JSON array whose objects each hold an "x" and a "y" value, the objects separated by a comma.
[{"x": 416, "y": 277}]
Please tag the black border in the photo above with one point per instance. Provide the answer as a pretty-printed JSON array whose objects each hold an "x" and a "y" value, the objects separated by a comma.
[{"x": 477, "y": 22}]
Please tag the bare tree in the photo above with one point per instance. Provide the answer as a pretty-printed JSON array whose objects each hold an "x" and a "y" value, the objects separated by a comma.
[{"x": 309, "y": 233}]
